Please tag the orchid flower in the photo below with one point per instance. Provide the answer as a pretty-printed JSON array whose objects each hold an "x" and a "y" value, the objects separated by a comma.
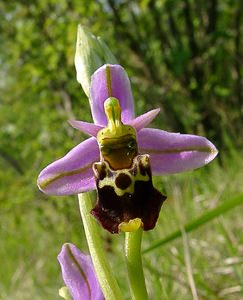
[
  {"x": 121, "y": 156},
  {"x": 78, "y": 274}
]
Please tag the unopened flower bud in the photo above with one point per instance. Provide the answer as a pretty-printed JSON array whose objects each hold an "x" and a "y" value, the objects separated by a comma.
[{"x": 91, "y": 53}]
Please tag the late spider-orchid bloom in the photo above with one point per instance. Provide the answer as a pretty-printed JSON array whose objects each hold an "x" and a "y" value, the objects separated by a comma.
[
  {"x": 121, "y": 156},
  {"x": 78, "y": 274}
]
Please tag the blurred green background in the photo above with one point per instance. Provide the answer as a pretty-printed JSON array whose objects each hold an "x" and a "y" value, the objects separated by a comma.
[{"x": 184, "y": 56}]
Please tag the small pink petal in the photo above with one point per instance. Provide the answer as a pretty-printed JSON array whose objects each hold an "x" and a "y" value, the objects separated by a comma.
[
  {"x": 89, "y": 128},
  {"x": 143, "y": 120}
]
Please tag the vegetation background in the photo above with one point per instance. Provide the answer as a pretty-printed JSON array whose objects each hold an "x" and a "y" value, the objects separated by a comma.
[{"x": 184, "y": 56}]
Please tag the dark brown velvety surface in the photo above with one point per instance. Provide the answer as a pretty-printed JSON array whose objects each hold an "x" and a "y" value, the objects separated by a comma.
[{"x": 144, "y": 203}]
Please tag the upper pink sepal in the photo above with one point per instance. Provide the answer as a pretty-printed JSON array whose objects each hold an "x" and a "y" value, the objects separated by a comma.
[{"x": 110, "y": 81}]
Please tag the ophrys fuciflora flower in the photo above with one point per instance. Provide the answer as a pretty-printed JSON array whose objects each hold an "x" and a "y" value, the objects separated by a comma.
[{"x": 121, "y": 157}]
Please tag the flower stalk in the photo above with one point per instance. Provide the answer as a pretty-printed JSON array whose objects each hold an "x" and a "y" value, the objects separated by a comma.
[
  {"x": 118, "y": 160},
  {"x": 134, "y": 264},
  {"x": 103, "y": 271}
]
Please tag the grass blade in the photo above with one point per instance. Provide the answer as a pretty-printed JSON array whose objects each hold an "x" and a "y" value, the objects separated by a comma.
[{"x": 206, "y": 217}]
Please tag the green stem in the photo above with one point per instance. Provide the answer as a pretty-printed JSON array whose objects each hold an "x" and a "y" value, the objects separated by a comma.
[
  {"x": 134, "y": 264},
  {"x": 103, "y": 271}
]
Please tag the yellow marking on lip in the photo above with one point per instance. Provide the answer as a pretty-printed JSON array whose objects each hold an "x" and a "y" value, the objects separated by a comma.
[
  {"x": 50, "y": 180},
  {"x": 110, "y": 181}
]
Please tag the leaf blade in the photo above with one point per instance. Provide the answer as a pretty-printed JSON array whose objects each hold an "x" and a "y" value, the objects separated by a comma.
[{"x": 203, "y": 219}]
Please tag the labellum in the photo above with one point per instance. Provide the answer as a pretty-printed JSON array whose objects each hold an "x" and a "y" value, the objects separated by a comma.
[{"x": 127, "y": 199}]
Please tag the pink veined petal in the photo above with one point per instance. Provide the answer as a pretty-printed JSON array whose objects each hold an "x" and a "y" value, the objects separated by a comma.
[
  {"x": 72, "y": 174},
  {"x": 89, "y": 128},
  {"x": 78, "y": 274},
  {"x": 110, "y": 81},
  {"x": 143, "y": 120},
  {"x": 174, "y": 152}
]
